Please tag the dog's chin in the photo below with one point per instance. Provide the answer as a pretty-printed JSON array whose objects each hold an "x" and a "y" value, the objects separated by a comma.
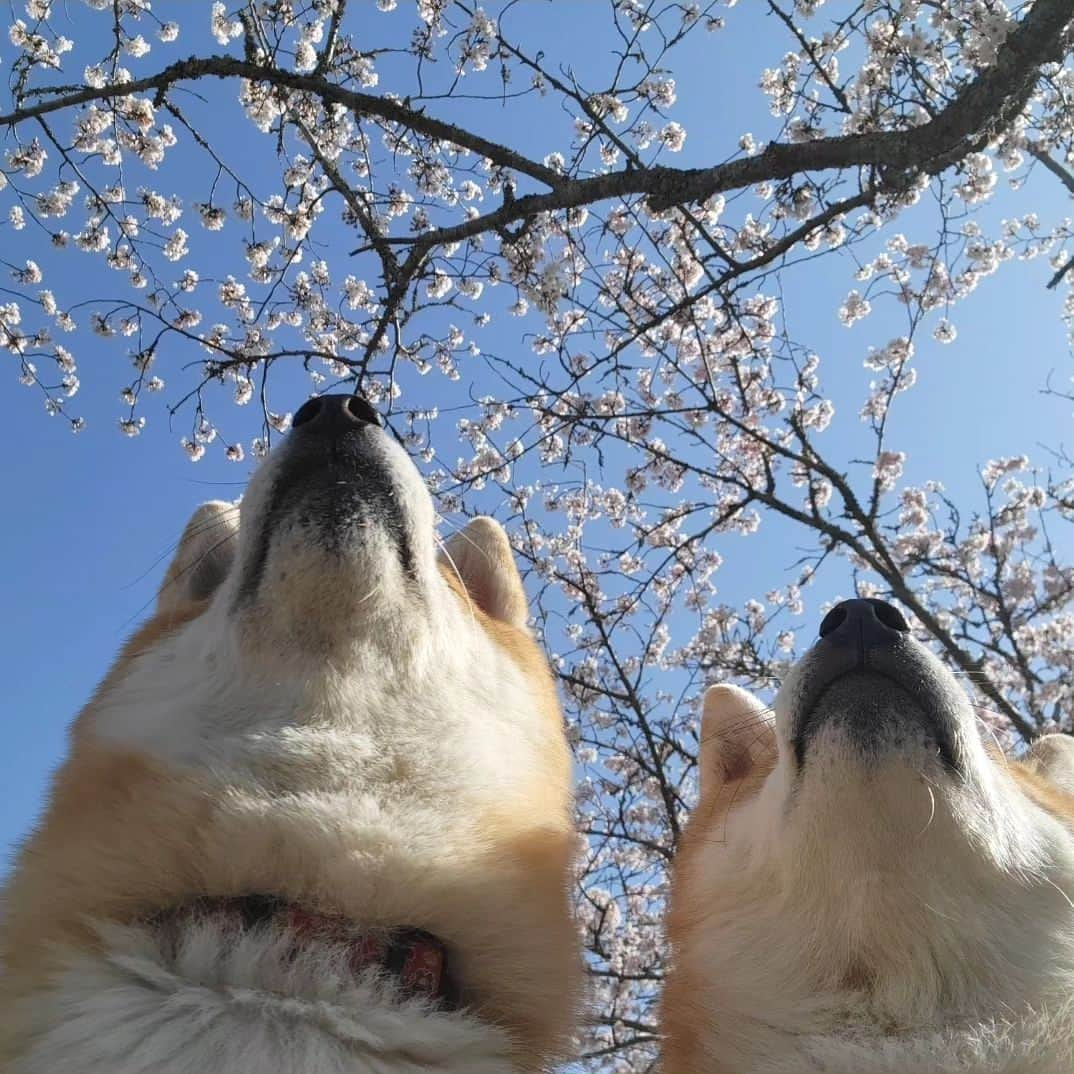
[
  {"x": 875, "y": 774},
  {"x": 330, "y": 580},
  {"x": 326, "y": 525},
  {"x": 864, "y": 720}
]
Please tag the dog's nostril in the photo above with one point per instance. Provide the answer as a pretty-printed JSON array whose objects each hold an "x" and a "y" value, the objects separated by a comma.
[
  {"x": 872, "y": 621},
  {"x": 833, "y": 620},
  {"x": 890, "y": 616},
  {"x": 334, "y": 415},
  {"x": 361, "y": 410},
  {"x": 306, "y": 412}
]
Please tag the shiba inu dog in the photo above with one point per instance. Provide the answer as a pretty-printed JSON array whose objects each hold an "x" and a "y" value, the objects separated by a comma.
[
  {"x": 317, "y": 817},
  {"x": 865, "y": 886}
]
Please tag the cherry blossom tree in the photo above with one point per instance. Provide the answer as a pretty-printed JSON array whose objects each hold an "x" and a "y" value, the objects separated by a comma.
[{"x": 327, "y": 159}]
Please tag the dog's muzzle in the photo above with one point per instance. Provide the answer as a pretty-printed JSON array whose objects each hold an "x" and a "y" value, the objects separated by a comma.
[
  {"x": 868, "y": 673},
  {"x": 333, "y": 478}
]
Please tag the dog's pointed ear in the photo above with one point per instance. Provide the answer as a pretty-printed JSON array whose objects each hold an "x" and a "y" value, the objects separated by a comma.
[
  {"x": 204, "y": 556},
  {"x": 481, "y": 556},
  {"x": 737, "y": 734},
  {"x": 1053, "y": 757}
]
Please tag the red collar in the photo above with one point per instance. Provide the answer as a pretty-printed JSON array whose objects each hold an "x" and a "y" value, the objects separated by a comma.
[{"x": 415, "y": 958}]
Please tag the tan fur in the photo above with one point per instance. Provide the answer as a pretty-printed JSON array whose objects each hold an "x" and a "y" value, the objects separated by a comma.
[
  {"x": 1040, "y": 789},
  {"x": 737, "y": 754},
  {"x": 682, "y": 1015},
  {"x": 160, "y": 626}
]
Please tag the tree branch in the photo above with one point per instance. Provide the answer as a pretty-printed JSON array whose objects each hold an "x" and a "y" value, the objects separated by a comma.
[
  {"x": 980, "y": 111},
  {"x": 361, "y": 104}
]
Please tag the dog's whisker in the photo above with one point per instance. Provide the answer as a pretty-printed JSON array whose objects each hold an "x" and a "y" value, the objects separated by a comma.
[
  {"x": 458, "y": 574},
  {"x": 206, "y": 527},
  {"x": 932, "y": 809}
]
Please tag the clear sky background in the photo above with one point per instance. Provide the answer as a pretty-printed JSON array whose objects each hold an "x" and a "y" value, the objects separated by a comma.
[{"x": 89, "y": 521}]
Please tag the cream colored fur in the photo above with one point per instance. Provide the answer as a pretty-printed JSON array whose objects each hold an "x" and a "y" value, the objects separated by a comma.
[
  {"x": 889, "y": 916},
  {"x": 245, "y": 1007},
  {"x": 362, "y": 740}
]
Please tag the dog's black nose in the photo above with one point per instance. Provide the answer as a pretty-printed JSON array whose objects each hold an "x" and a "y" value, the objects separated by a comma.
[
  {"x": 865, "y": 623},
  {"x": 334, "y": 415}
]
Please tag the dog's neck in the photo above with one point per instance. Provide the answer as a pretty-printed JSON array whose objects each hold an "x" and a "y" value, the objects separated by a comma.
[{"x": 414, "y": 960}]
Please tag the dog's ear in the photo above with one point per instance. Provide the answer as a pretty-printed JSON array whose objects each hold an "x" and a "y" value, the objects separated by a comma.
[
  {"x": 204, "y": 556},
  {"x": 1053, "y": 757},
  {"x": 482, "y": 557},
  {"x": 737, "y": 735}
]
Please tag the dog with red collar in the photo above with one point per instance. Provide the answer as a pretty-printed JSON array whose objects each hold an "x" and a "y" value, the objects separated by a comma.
[{"x": 317, "y": 817}]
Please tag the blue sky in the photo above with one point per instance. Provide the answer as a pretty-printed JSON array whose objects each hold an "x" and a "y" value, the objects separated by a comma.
[{"x": 91, "y": 520}]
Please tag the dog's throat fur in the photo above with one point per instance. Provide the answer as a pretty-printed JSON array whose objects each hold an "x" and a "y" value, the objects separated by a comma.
[{"x": 413, "y": 960}]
